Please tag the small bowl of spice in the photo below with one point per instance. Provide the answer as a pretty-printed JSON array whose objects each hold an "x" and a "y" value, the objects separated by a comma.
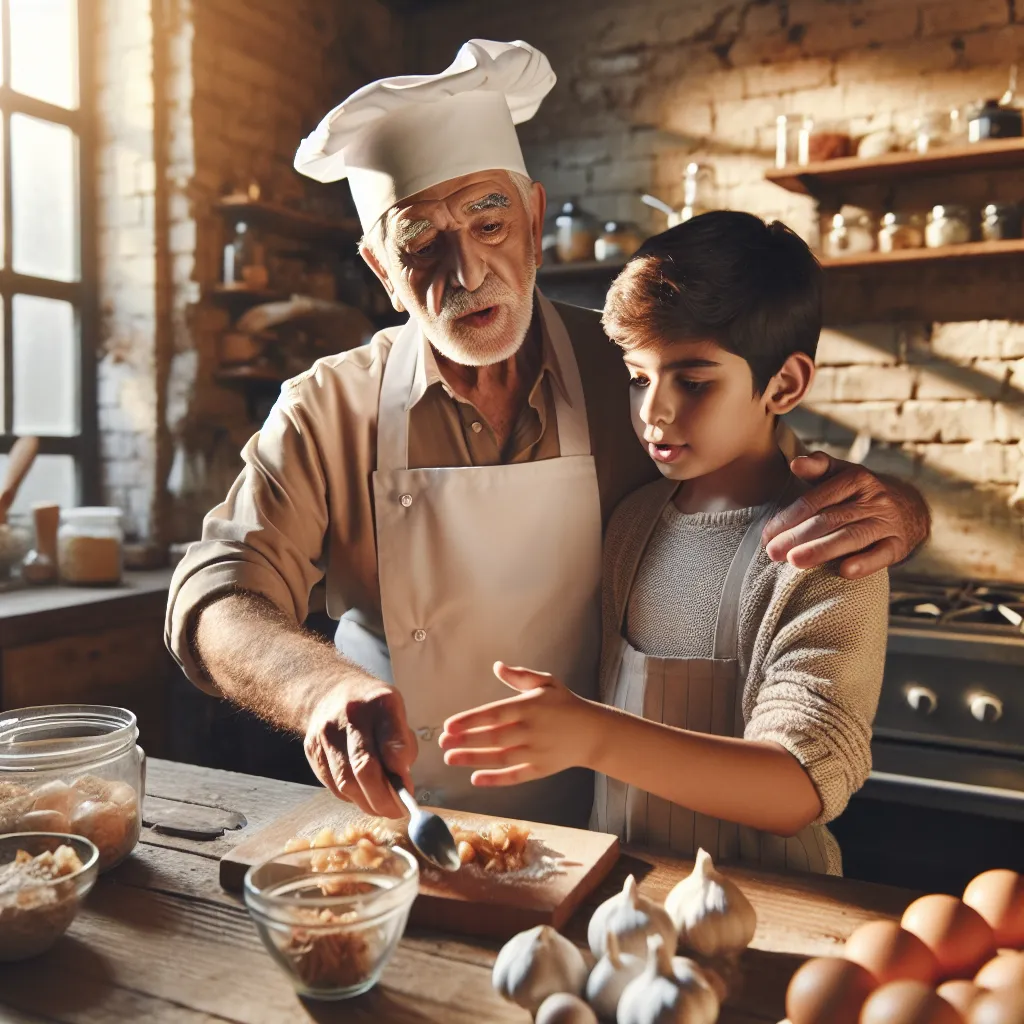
[
  {"x": 44, "y": 876},
  {"x": 331, "y": 917}
]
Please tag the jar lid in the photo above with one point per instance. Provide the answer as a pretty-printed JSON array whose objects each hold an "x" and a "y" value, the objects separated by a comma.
[
  {"x": 896, "y": 217},
  {"x": 998, "y": 209},
  {"x": 950, "y": 210},
  {"x": 92, "y": 512}
]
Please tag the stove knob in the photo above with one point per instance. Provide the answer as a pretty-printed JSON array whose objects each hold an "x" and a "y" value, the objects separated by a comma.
[
  {"x": 922, "y": 700},
  {"x": 986, "y": 708}
]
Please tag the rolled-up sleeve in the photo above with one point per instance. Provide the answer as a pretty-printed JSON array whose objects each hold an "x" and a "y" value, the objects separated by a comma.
[
  {"x": 820, "y": 680},
  {"x": 267, "y": 537}
]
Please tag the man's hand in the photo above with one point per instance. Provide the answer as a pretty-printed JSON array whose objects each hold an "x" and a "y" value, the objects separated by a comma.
[
  {"x": 354, "y": 729},
  {"x": 545, "y": 729},
  {"x": 869, "y": 522}
]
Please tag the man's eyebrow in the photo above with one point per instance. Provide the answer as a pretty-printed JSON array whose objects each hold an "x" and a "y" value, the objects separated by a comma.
[
  {"x": 408, "y": 230},
  {"x": 494, "y": 201}
]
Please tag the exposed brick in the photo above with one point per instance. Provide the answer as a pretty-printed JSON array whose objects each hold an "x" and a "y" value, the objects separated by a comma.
[
  {"x": 1009, "y": 422},
  {"x": 853, "y": 28},
  {"x": 879, "y": 419},
  {"x": 872, "y": 383},
  {"x": 858, "y": 344},
  {"x": 964, "y": 342},
  {"x": 945, "y": 381},
  {"x": 948, "y": 421},
  {"x": 774, "y": 79},
  {"x": 975, "y": 462},
  {"x": 957, "y": 16}
]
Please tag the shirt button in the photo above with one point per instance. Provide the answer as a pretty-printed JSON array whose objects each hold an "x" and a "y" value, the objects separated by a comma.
[
  {"x": 419, "y": 635},
  {"x": 406, "y": 500},
  {"x": 477, "y": 426}
]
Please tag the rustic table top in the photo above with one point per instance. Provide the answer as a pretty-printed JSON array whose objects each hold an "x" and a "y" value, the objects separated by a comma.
[{"x": 159, "y": 941}]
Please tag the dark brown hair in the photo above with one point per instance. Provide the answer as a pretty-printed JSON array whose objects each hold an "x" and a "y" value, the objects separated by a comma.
[{"x": 753, "y": 288}]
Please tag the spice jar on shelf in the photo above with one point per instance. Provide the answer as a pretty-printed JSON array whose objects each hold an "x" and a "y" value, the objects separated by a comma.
[
  {"x": 618, "y": 241},
  {"x": 852, "y": 232},
  {"x": 947, "y": 225},
  {"x": 245, "y": 264},
  {"x": 1000, "y": 221},
  {"x": 823, "y": 140},
  {"x": 787, "y": 139},
  {"x": 901, "y": 231},
  {"x": 90, "y": 546},
  {"x": 575, "y": 233}
]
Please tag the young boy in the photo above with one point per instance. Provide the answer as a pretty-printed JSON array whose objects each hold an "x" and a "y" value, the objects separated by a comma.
[{"x": 739, "y": 692}]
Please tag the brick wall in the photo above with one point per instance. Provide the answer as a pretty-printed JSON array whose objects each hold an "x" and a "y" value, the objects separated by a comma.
[
  {"x": 217, "y": 98},
  {"x": 646, "y": 87}
]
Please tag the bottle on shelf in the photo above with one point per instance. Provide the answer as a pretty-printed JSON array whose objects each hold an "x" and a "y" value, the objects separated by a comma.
[{"x": 244, "y": 260}]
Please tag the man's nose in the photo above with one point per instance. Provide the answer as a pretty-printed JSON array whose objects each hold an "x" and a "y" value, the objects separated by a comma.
[{"x": 467, "y": 267}]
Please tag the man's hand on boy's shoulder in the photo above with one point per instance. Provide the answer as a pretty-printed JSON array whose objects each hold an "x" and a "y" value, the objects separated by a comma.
[{"x": 869, "y": 522}]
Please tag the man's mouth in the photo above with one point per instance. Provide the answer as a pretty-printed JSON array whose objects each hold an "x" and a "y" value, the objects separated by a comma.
[
  {"x": 480, "y": 317},
  {"x": 666, "y": 452}
]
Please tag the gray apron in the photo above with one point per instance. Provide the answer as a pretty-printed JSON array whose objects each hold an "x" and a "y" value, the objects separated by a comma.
[
  {"x": 703, "y": 695},
  {"x": 477, "y": 564}
]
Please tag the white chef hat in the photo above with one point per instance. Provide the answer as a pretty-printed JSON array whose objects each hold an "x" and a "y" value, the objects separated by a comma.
[{"x": 397, "y": 136}]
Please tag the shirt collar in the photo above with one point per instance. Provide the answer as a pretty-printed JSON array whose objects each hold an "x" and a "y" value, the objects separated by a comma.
[{"x": 428, "y": 374}]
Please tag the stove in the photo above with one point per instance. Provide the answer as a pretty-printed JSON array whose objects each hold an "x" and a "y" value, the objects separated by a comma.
[{"x": 949, "y": 732}]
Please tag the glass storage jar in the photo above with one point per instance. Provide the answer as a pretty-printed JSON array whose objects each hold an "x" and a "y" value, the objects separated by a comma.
[
  {"x": 1000, "y": 221},
  {"x": 73, "y": 768},
  {"x": 89, "y": 545},
  {"x": 947, "y": 225},
  {"x": 576, "y": 232},
  {"x": 850, "y": 234},
  {"x": 901, "y": 231}
]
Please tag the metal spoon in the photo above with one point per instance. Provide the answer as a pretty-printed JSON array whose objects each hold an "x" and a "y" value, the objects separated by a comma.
[
  {"x": 658, "y": 204},
  {"x": 429, "y": 834}
]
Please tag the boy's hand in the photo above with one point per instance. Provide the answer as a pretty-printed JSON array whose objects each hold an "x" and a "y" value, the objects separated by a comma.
[
  {"x": 868, "y": 521},
  {"x": 545, "y": 729}
]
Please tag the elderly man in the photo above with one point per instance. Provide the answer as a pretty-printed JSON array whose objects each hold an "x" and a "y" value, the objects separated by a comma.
[{"x": 451, "y": 478}]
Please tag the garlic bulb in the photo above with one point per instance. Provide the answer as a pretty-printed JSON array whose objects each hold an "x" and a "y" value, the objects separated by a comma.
[
  {"x": 632, "y": 917},
  {"x": 671, "y": 990},
  {"x": 611, "y": 974},
  {"x": 710, "y": 912},
  {"x": 536, "y": 964},
  {"x": 562, "y": 1008}
]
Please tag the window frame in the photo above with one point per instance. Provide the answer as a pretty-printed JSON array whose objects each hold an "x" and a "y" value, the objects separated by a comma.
[{"x": 82, "y": 294}]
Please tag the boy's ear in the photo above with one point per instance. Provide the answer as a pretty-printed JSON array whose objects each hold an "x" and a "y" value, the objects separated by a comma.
[{"x": 788, "y": 388}]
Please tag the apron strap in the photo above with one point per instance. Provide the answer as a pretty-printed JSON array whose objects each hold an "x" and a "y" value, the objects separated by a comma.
[
  {"x": 400, "y": 371},
  {"x": 727, "y": 623},
  {"x": 573, "y": 428}
]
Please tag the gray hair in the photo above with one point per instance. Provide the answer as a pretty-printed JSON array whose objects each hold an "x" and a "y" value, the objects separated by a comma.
[{"x": 375, "y": 237}]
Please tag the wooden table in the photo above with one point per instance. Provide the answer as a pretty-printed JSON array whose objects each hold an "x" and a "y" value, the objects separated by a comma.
[{"x": 159, "y": 941}]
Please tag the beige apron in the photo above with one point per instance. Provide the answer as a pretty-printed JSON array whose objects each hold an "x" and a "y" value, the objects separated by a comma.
[
  {"x": 478, "y": 564},
  {"x": 704, "y": 695}
]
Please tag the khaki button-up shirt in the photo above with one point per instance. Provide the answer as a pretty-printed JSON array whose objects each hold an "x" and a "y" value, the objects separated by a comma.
[{"x": 302, "y": 507}]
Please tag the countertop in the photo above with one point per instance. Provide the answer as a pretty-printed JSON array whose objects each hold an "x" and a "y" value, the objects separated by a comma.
[{"x": 159, "y": 940}]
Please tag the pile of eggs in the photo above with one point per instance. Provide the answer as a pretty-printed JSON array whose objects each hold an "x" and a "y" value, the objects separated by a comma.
[{"x": 948, "y": 961}]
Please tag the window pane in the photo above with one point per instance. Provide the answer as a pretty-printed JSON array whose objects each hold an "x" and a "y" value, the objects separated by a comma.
[
  {"x": 51, "y": 478},
  {"x": 44, "y": 176},
  {"x": 44, "y": 50},
  {"x": 45, "y": 366}
]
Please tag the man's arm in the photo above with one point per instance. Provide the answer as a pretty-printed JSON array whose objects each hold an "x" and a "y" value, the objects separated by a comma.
[
  {"x": 352, "y": 723},
  {"x": 868, "y": 521}
]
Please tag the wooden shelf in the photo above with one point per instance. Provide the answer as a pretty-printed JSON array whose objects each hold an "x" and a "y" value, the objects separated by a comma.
[
  {"x": 248, "y": 375},
  {"x": 969, "y": 250},
  {"x": 230, "y": 293},
  {"x": 283, "y": 220},
  {"x": 815, "y": 179},
  {"x": 591, "y": 269}
]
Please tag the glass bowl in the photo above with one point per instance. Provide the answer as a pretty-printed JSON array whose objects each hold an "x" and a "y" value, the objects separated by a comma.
[
  {"x": 332, "y": 917},
  {"x": 76, "y": 769},
  {"x": 33, "y": 917}
]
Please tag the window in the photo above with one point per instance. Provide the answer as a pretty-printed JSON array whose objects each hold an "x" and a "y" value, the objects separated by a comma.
[{"x": 47, "y": 280}]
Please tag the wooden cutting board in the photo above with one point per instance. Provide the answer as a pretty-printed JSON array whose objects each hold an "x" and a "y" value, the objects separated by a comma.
[{"x": 466, "y": 902}]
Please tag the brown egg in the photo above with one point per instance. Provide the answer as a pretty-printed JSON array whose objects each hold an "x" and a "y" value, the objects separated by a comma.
[
  {"x": 960, "y": 994},
  {"x": 959, "y": 936},
  {"x": 891, "y": 953},
  {"x": 907, "y": 1002},
  {"x": 1004, "y": 1006},
  {"x": 999, "y": 897},
  {"x": 827, "y": 990},
  {"x": 1003, "y": 971}
]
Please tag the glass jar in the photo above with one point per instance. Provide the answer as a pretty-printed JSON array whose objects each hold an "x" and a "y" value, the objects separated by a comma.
[
  {"x": 823, "y": 140},
  {"x": 993, "y": 121},
  {"x": 73, "y": 768},
  {"x": 90, "y": 546},
  {"x": 576, "y": 232},
  {"x": 1000, "y": 221},
  {"x": 787, "y": 139},
  {"x": 618, "y": 241},
  {"x": 947, "y": 225},
  {"x": 901, "y": 231},
  {"x": 244, "y": 260},
  {"x": 851, "y": 233}
]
